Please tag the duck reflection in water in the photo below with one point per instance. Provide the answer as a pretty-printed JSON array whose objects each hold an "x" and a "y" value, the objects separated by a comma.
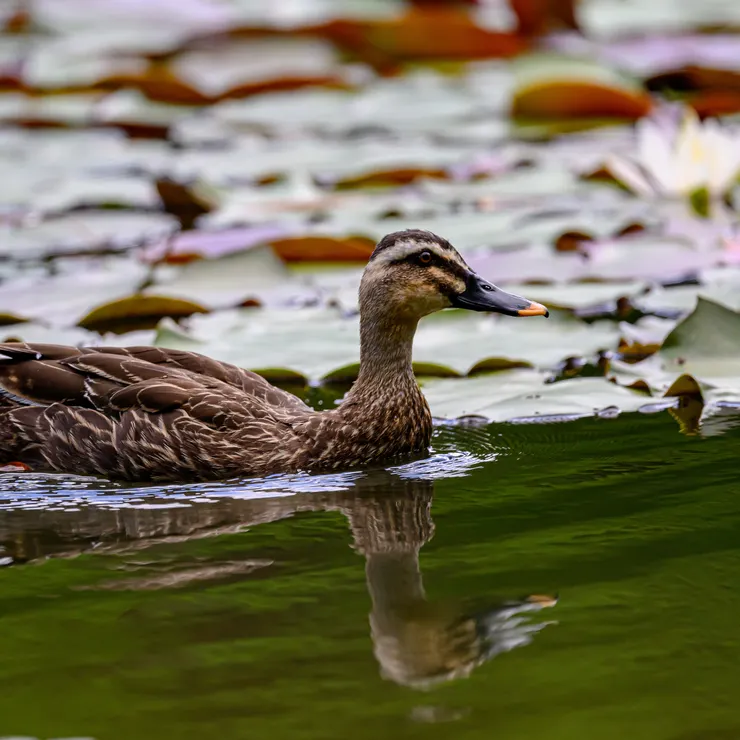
[{"x": 418, "y": 643}]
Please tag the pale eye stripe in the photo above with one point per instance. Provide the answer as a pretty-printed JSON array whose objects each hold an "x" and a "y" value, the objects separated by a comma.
[{"x": 405, "y": 250}]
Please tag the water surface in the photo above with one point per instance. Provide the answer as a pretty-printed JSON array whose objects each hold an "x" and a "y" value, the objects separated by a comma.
[{"x": 556, "y": 581}]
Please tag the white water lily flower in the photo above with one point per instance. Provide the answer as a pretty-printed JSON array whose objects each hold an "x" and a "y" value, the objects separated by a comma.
[{"x": 678, "y": 155}]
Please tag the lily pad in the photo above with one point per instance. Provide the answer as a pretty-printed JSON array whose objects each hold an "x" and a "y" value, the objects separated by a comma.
[
  {"x": 422, "y": 101},
  {"x": 34, "y": 331},
  {"x": 298, "y": 199},
  {"x": 643, "y": 257},
  {"x": 135, "y": 113},
  {"x": 556, "y": 87},
  {"x": 704, "y": 345},
  {"x": 523, "y": 395},
  {"x": 643, "y": 338},
  {"x": 721, "y": 286},
  {"x": 442, "y": 33},
  {"x": 137, "y": 312}
]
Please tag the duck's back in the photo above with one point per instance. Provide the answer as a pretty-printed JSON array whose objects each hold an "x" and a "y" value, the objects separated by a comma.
[{"x": 140, "y": 413}]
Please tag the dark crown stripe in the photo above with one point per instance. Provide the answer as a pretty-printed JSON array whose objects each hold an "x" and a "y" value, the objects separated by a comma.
[{"x": 416, "y": 235}]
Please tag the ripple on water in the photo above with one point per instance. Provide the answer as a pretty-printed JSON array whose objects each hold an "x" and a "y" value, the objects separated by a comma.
[
  {"x": 56, "y": 492},
  {"x": 58, "y": 514}
]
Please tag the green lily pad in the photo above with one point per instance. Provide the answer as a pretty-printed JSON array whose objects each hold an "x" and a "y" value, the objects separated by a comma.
[
  {"x": 34, "y": 331},
  {"x": 523, "y": 395},
  {"x": 642, "y": 257},
  {"x": 129, "y": 108},
  {"x": 704, "y": 346},
  {"x": 137, "y": 311}
]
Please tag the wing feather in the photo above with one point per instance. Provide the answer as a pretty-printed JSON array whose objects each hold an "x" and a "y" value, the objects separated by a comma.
[{"x": 138, "y": 413}]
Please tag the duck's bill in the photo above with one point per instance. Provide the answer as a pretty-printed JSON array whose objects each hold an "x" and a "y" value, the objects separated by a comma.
[{"x": 480, "y": 295}]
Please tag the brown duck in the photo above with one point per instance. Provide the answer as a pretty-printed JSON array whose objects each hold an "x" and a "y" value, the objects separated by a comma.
[{"x": 147, "y": 413}]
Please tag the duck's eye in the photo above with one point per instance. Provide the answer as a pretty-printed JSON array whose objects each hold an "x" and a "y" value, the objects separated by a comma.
[{"x": 425, "y": 257}]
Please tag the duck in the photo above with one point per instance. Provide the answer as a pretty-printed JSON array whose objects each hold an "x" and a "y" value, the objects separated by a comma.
[{"x": 154, "y": 414}]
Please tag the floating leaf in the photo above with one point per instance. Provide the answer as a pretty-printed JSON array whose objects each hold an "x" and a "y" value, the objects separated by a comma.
[
  {"x": 203, "y": 244},
  {"x": 421, "y": 102},
  {"x": 33, "y": 331},
  {"x": 139, "y": 116},
  {"x": 561, "y": 87},
  {"x": 522, "y": 395},
  {"x": 425, "y": 33},
  {"x": 706, "y": 343},
  {"x": 74, "y": 109},
  {"x": 137, "y": 312},
  {"x": 324, "y": 249},
  {"x": 704, "y": 346},
  {"x": 644, "y": 338},
  {"x": 7, "y": 318}
]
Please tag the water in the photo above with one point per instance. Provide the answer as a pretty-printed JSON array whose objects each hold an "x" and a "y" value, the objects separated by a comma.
[{"x": 570, "y": 581}]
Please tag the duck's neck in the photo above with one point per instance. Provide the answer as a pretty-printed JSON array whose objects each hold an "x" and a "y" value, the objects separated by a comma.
[
  {"x": 385, "y": 355},
  {"x": 385, "y": 405}
]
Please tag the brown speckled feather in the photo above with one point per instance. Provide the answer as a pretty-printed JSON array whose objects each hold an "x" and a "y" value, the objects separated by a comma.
[
  {"x": 144, "y": 413},
  {"x": 50, "y": 374}
]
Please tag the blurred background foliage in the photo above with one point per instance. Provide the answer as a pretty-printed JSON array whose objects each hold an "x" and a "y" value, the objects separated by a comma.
[{"x": 212, "y": 174}]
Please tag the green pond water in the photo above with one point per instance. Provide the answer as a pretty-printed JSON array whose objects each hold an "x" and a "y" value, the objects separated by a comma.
[{"x": 416, "y": 602}]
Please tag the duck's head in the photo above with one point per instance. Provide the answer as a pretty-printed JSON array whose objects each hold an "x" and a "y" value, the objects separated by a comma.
[
  {"x": 413, "y": 273},
  {"x": 434, "y": 643}
]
